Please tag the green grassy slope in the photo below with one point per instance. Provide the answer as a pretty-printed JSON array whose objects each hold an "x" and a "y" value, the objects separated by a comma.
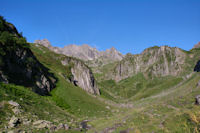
[
  {"x": 33, "y": 106},
  {"x": 172, "y": 110},
  {"x": 137, "y": 86},
  {"x": 66, "y": 95}
]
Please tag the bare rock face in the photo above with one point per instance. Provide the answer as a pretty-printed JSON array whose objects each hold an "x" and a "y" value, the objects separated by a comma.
[
  {"x": 81, "y": 75},
  {"x": 152, "y": 62}
]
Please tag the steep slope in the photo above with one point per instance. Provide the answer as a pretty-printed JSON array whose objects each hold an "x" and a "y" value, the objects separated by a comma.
[
  {"x": 27, "y": 108},
  {"x": 18, "y": 64},
  {"x": 81, "y": 75},
  {"x": 78, "y": 73},
  {"x": 68, "y": 96},
  {"x": 35, "y": 67}
]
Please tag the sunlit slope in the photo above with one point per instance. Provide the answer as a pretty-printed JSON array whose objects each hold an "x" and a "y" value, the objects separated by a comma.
[
  {"x": 66, "y": 95},
  {"x": 171, "y": 110}
]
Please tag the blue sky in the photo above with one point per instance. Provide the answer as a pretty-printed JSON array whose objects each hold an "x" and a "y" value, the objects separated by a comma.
[{"x": 129, "y": 26}]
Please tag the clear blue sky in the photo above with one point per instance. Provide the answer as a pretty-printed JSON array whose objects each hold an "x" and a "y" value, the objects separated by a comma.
[{"x": 129, "y": 26}]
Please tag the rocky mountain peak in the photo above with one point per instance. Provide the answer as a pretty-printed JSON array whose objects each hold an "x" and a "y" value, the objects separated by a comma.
[
  {"x": 197, "y": 45},
  {"x": 43, "y": 42},
  {"x": 85, "y": 52},
  {"x": 113, "y": 54},
  {"x": 153, "y": 62}
]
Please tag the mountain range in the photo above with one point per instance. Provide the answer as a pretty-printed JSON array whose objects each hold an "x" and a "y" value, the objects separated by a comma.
[
  {"x": 83, "y": 52},
  {"x": 80, "y": 89}
]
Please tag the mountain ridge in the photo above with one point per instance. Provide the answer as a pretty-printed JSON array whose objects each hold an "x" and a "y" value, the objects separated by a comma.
[{"x": 84, "y": 52}]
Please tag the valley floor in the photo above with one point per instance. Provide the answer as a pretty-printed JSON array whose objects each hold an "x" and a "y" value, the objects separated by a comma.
[{"x": 172, "y": 110}]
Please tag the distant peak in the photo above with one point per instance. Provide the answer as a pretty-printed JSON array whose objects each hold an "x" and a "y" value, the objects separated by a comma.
[
  {"x": 43, "y": 42},
  {"x": 85, "y": 45},
  {"x": 197, "y": 45},
  {"x": 113, "y": 49}
]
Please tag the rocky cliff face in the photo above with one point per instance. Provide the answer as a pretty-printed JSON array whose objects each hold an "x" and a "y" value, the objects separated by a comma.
[
  {"x": 153, "y": 62},
  {"x": 81, "y": 75},
  {"x": 18, "y": 64},
  {"x": 86, "y": 53}
]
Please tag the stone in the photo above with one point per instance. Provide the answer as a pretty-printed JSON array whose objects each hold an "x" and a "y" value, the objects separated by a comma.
[
  {"x": 198, "y": 84},
  {"x": 66, "y": 127},
  {"x": 16, "y": 110},
  {"x": 61, "y": 126},
  {"x": 26, "y": 121},
  {"x": 15, "y": 104},
  {"x": 197, "y": 67},
  {"x": 42, "y": 124},
  {"x": 53, "y": 128},
  {"x": 84, "y": 124},
  {"x": 108, "y": 107},
  {"x": 14, "y": 121},
  {"x": 197, "y": 100}
]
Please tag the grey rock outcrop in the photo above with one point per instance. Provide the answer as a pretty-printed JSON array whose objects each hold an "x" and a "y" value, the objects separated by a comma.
[
  {"x": 81, "y": 76},
  {"x": 152, "y": 62}
]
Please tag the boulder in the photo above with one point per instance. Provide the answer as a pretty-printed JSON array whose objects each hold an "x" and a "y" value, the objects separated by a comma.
[
  {"x": 63, "y": 126},
  {"x": 16, "y": 110},
  {"x": 197, "y": 100},
  {"x": 53, "y": 128},
  {"x": 14, "y": 121},
  {"x": 15, "y": 104},
  {"x": 42, "y": 124},
  {"x": 26, "y": 121},
  {"x": 197, "y": 67},
  {"x": 198, "y": 84},
  {"x": 84, "y": 124}
]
